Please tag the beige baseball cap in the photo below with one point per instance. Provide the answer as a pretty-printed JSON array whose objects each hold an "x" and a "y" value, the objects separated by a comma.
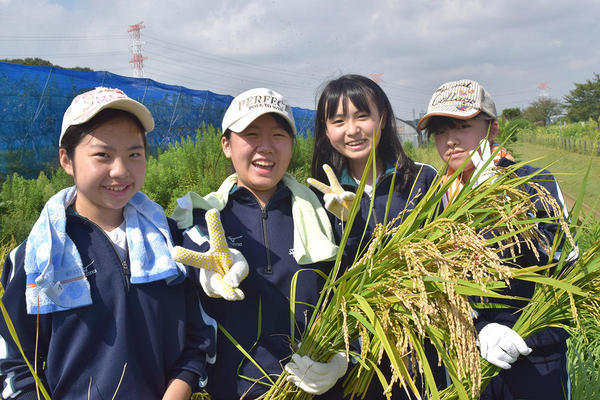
[
  {"x": 462, "y": 99},
  {"x": 86, "y": 105},
  {"x": 253, "y": 103}
]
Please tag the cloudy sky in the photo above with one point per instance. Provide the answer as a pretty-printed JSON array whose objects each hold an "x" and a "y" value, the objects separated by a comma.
[{"x": 518, "y": 49}]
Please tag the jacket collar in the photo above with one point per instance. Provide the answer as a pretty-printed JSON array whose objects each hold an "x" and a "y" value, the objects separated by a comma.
[
  {"x": 241, "y": 193},
  {"x": 347, "y": 179}
]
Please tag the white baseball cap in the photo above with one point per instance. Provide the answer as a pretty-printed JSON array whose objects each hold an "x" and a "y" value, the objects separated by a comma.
[
  {"x": 462, "y": 99},
  {"x": 253, "y": 103},
  {"x": 86, "y": 105}
]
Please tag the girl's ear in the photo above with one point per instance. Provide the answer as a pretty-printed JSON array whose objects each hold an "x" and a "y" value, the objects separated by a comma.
[
  {"x": 494, "y": 130},
  {"x": 65, "y": 162},
  {"x": 226, "y": 146}
]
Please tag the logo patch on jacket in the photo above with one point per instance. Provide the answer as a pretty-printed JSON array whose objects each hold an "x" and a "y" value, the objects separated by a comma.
[
  {"x": 89, "y": 269},
  {"x": 233, "y": 241}
]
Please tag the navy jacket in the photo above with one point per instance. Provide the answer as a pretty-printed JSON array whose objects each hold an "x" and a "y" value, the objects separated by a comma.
[
  {"x": 400, "y": 201},
  {"x": 265, "y": 237},
  {"x": 149, "y": 332},
  {"x": 549, "y": 340}
]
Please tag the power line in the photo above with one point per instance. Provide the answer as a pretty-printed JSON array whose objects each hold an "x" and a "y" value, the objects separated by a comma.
[
  {"x": 222, "y": 73},
  {"x": 70, "y": 55},
  {"x": 227, "y": 60},
  {"x": 58, "y": 38}
]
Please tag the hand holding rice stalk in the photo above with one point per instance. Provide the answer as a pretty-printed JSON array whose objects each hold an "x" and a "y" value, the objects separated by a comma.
[
  {"x": 561, "y": 298},
  {"x": 413, "y": 282}
]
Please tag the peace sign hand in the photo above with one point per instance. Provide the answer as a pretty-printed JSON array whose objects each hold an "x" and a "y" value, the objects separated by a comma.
[
  {"x": 337, "y": 200},
  {"x": 221, "y": 269}
]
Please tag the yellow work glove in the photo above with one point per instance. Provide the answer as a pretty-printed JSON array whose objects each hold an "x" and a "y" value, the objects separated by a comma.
[
  {"x": 221, "y": 269},
  {"x": 337, "y": 200}
]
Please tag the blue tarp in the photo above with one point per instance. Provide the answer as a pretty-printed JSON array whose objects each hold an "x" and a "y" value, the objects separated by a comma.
[{"x": 33, "y": 100}]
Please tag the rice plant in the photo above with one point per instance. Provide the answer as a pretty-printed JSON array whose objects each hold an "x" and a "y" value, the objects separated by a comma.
[
  {"x": 584, "y": 361},
  {"x": 413, "y": 283}
]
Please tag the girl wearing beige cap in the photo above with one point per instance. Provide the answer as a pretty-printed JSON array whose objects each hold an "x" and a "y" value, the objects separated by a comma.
[{"x": 461, "y": 117}]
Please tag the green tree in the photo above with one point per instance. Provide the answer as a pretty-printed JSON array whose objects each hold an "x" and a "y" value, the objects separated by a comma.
[
  {"x": 511, "y": 113},
  {"x": 543, "y": 110},
  {"x": 583, "y": 102},
  {"x": 40, "y": 62}
]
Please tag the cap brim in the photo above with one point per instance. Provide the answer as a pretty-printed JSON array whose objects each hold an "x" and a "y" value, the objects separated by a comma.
[
  {"x": 458, "y": 115},
  {"x": 242, "y": 123},
  {"x": 135, "y": 108}
]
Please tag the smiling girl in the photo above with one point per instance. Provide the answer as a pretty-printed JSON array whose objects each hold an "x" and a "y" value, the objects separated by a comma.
[
  {"x": 116, "y": 314},
  {"x": 353, "y": 116},
  {"x": 280, "y": 228}
]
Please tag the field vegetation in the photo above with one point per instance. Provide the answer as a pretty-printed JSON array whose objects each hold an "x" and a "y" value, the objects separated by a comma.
[{"x": 199, "y": 165}]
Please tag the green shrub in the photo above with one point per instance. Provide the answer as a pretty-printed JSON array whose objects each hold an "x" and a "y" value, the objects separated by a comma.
[
  {"x": 409, "y": 149},
  {"x": 21, "y": 201},
  {"x": 198, "y": 165}
]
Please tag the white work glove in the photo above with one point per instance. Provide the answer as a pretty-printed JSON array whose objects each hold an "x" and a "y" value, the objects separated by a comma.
[
  {"x": 501, "y": 345},
  {"x": 221, "y": 269},
  {"x": 337, "y": 200},
  {"x": 315, "y": 377}
]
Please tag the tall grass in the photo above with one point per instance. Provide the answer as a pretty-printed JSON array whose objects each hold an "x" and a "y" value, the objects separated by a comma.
[{"x": 584, "y": 361}]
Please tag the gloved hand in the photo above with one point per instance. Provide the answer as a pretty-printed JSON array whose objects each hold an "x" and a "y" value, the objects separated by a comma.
[
  {"x": 221, "y": 269},
  {"x": 337, "y": 200},
  {"x": 501, "y": 345},
  {"x": 315, "y": 377}
]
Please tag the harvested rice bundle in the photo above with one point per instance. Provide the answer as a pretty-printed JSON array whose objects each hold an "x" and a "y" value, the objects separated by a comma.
[{"x": 414, "y": 282}]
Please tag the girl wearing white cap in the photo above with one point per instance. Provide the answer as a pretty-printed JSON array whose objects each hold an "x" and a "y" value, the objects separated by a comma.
[
  {"x": 93, "y": 292},
  {"x": 280, "y": 228}
]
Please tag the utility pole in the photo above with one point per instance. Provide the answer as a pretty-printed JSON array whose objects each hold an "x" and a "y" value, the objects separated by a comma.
[
  {"x": 543, "y": 89},
  {"x": 137, "y": 59}
]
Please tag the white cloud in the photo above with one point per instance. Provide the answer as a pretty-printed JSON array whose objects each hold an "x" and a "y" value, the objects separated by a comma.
[{"x": 294, "y": 46}]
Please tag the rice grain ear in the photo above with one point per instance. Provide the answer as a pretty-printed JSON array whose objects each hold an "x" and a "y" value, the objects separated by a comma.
[{"x": 417, "y": 280}]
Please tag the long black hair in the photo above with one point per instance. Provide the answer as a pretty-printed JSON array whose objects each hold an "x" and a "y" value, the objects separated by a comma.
[{"x": 360, "y": 91}]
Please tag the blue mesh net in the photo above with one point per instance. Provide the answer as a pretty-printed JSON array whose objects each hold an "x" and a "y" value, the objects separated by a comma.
[{"x": 33, "y": 100}]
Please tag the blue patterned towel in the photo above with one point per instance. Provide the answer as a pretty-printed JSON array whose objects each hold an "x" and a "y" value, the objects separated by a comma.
[{"x": 55, "y": 276}]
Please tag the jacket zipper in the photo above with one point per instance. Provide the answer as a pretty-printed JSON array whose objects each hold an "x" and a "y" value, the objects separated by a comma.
[
  {"x": 263, "y": 213},
  {"x": 381, "y": 178},
  {"x": 378, "y": 183},
  {"x": 124, "y": 267}
]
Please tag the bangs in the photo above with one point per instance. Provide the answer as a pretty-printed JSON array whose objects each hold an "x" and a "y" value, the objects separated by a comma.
[
  {"x": 358, "y": 95},
  {"x": 437, "y": 123}
]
